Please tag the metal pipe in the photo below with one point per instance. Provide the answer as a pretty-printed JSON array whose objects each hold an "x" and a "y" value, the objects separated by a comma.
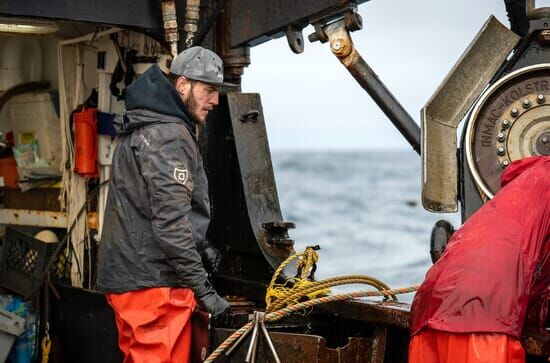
[
  {"x": 253, "y": 341},
  {"x": 400, "y": 118},
  {"x": 341, "y": 45},
  {"x": 257, "y": 318},
  {"x": 239, "y": 341},
  {"x": 270, "y": 342}
]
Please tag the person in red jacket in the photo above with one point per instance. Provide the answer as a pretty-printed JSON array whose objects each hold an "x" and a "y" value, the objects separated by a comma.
[{"x": 492, "y": 279}]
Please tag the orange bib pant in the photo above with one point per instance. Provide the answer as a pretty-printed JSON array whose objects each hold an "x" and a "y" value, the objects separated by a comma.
[
  {"x": 433, "y": 346},
  {"x": 154, "y": 324}
]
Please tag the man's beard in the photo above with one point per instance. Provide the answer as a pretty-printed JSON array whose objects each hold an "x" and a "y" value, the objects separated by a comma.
[{"x": 191, "y": 105}]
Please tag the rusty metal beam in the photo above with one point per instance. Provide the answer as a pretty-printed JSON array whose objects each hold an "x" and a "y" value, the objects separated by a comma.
[{"x": 254, "y": 22}]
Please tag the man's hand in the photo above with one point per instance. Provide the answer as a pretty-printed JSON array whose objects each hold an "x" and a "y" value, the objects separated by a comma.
[{"x": 215, "y": 305}]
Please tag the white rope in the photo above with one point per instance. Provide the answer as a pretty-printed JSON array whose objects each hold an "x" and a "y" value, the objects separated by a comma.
[{"x": 73, "y": 194}]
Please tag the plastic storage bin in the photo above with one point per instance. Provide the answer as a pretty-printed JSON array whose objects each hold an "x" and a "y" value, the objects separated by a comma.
[
  {"x": 11, "y": 326},
  {"x": 22, "y": 261}
]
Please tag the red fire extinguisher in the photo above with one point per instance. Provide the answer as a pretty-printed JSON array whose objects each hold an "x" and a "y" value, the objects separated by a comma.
[{"x": 85, "y": 135}]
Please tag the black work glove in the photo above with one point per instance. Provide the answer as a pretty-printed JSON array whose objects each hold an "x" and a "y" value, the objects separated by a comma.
[
  {"x": 215, "y": 304},
  {"x": 211, "y": 257},
  {"x": 225, "y": 319}
]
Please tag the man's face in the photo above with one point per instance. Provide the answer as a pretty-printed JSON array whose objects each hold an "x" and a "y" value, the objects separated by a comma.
[{"x": 199, "y": 98}]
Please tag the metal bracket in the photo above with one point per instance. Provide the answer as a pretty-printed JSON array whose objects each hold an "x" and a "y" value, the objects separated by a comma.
[
  {"x": 277, "y": 233},
  {"x": 295, "y": 39},
  {"x": 351, "y": 19},
  {"x": 258, "y": 324}
]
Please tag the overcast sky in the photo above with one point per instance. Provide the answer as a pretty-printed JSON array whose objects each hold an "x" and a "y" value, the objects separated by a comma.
[{"x": 310, "y": 101}]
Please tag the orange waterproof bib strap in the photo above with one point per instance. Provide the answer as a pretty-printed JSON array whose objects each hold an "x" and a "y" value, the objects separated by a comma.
[
  {"x": 432, "y": 346},
  {"x": 154, "y": 324}
]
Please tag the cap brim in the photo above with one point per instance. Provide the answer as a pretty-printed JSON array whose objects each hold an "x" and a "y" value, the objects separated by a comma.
[
  {"x": 217, "y": 84},
  {"x": 223, "y": 84}
]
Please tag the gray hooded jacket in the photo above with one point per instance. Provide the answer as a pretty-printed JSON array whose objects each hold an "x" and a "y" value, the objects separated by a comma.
[{"x": 157, "y": 207}]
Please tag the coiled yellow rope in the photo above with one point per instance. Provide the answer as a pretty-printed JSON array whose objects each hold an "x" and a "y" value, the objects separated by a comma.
[
  {"x": 319, "y": 288},
  {"x": 306, "y": 261},
  {"x": 303, "y": 286}
]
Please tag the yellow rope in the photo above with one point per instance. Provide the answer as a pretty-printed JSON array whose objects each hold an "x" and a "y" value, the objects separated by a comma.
[
  {"x": 279, "y": 270},
  {"x": 306, "y": 261},
  {"x": 302, "y": 287},
  {"x": 46, "y": 347},
  {"x": 312, "y": 290}
]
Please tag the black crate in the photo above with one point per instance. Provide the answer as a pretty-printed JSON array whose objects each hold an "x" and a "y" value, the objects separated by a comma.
[{"x": 22, "y": 261}]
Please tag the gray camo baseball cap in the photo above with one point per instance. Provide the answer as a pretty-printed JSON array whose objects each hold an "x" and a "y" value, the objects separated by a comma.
[{"x": 200, "y": 64}]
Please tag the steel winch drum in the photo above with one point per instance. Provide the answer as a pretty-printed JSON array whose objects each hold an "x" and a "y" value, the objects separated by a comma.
[{"x": 510, "y": 121}]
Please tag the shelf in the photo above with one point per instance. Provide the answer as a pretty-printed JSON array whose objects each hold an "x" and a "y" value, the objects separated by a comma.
[{"x": 38, "y": 218}]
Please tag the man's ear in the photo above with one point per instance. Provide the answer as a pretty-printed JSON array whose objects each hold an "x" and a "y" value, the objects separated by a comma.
[{"x": 183, "y": 86}]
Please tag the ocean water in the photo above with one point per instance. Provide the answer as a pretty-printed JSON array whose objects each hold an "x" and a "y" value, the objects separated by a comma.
[{"x": 363, "y": 209}]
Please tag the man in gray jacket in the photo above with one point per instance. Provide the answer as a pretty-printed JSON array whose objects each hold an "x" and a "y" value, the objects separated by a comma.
[{"x": 158, "y": 211}]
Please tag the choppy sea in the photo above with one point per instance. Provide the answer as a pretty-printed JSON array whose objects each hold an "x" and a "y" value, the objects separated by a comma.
[{"x": 362, "y": 208}]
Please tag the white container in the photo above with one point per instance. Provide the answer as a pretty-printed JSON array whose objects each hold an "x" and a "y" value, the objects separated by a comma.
[
  {"x": 34, "y": 112},
  {"x": 11, "y": 326},
  {"x": 21, "y": 61}
]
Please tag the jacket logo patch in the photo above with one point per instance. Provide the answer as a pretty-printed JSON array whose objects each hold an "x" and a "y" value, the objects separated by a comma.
[{"x": 181, "y": 175}]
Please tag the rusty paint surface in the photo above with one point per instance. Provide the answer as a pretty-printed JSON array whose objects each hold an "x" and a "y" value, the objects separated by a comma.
[
  {"x": 378, "y": 345},
  {"x": 301, "y": 348},
  {"x": 385, "y": 313}
]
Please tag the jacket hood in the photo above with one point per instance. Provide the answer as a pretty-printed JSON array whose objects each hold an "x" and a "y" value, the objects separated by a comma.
[
  {"x": 518, "y": 167},
  {"x": 154, "y": 92}
]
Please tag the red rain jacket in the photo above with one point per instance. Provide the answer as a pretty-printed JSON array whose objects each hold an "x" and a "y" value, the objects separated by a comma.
[{"x": 495, "y": 272}]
